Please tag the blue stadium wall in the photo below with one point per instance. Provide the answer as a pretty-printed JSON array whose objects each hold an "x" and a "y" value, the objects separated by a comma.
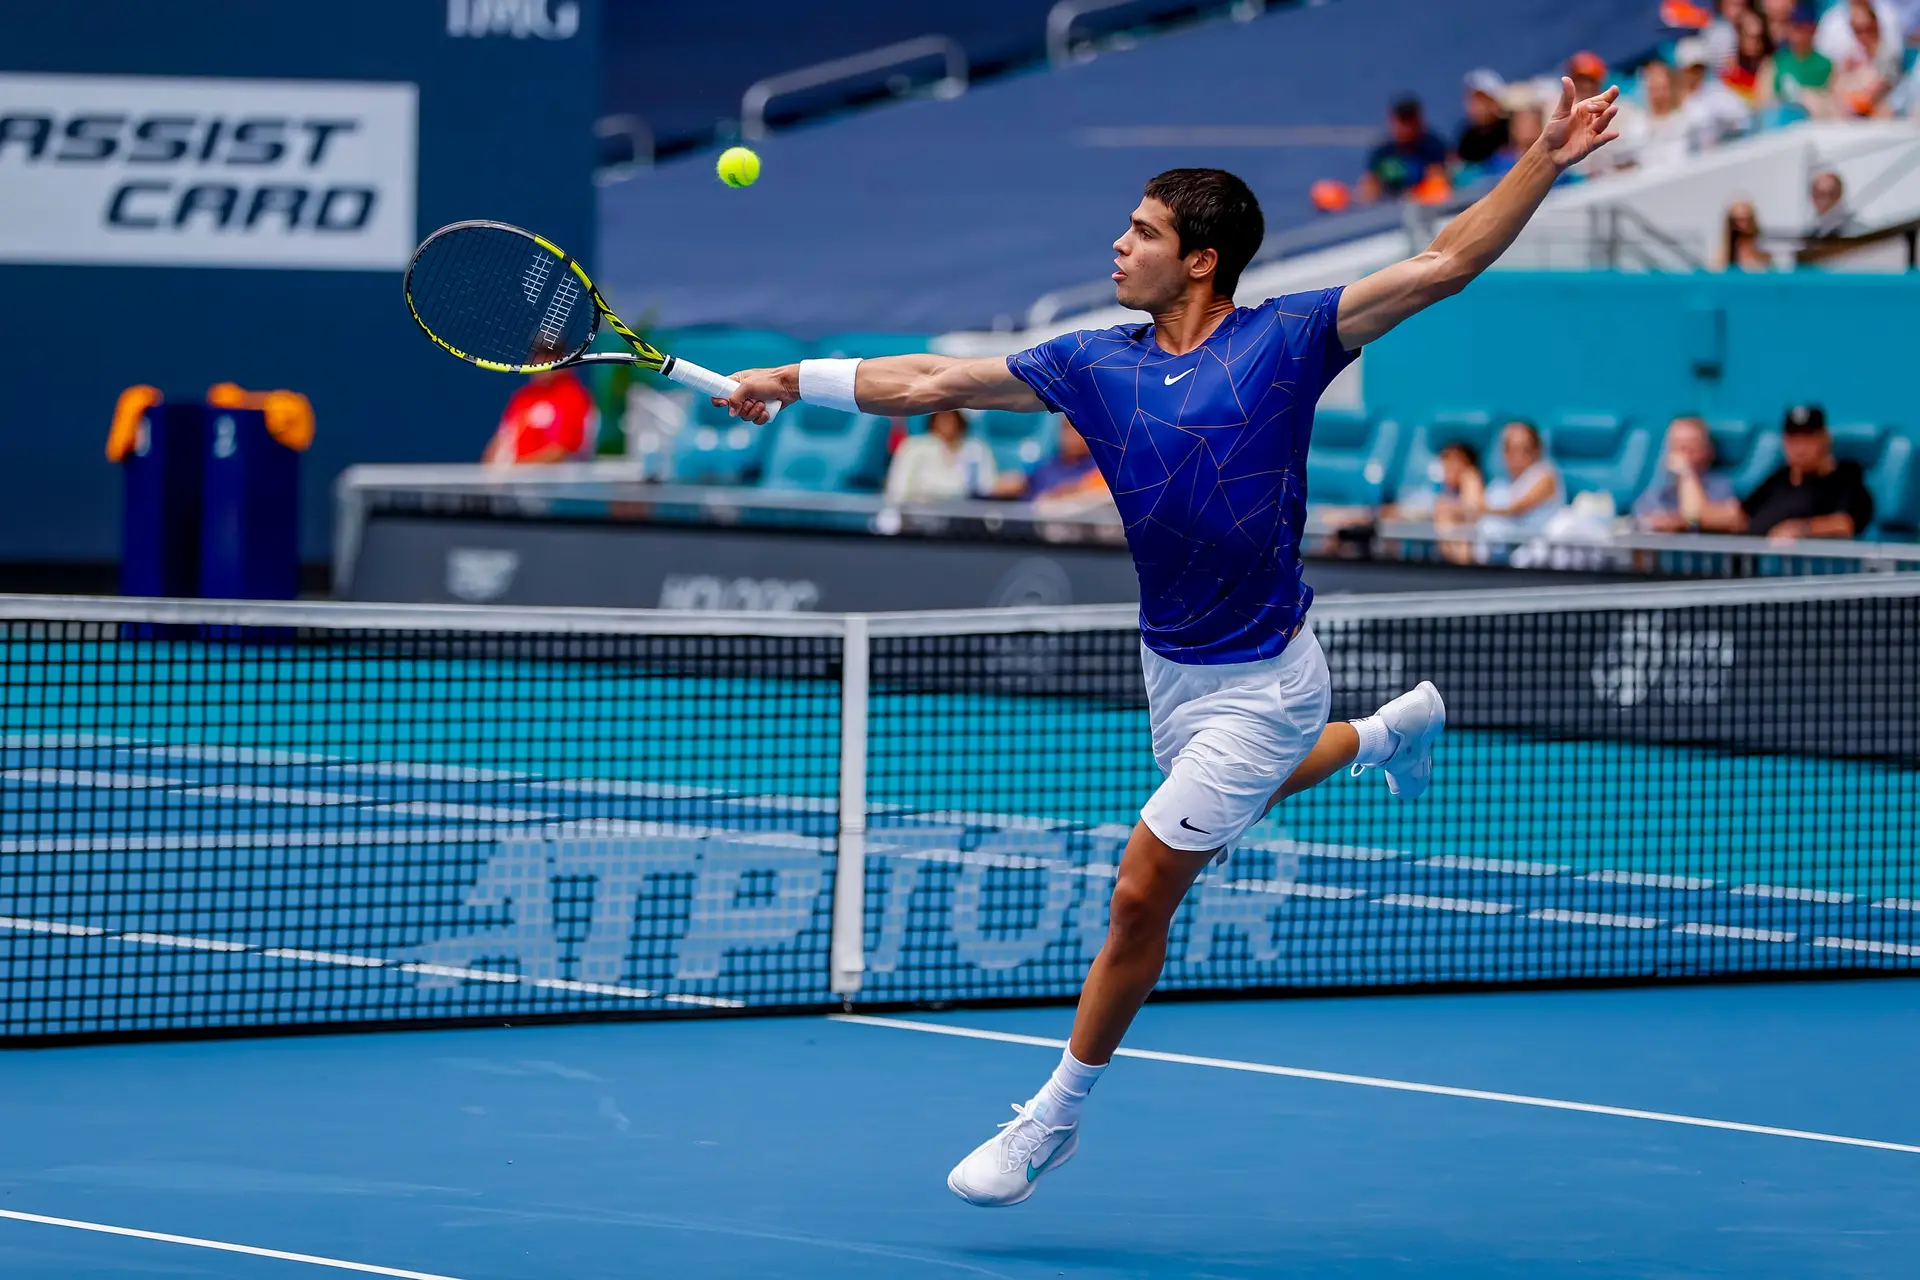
[
  {"x": 507, "y": 93},
  {"x": 1652, "y": 346}
]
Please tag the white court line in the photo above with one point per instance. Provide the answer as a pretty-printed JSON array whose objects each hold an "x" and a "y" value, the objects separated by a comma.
[
  {"x": 1789, "y": 894},
  {"x": 1739, "y": 932},
  {"x": 91, "y": 778},
  {"x": 1378, "y": 1082},
  {"x": 222, "y": 1246},
  {"x": 1646, "y": 880},
  {"x": 1429, "y": 903},
  {"x": 1877, "y": 948},
  {"x": 1602, "y": 918},
  {"x": 1498, "y": 866}
]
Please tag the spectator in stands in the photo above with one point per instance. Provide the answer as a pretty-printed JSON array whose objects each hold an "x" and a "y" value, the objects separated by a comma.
[
  {"x": 940, "y": 465},
  {"x": 1518, "y": 507},
  {"x": 1485, "y": 131},
  {"x": 1802, "y": 75},
  {"x": 550, "y": 419},
  {"x": 1714, "y": 112},
  {"x": 1453, "y": 494},
  {"x": 1663, "y": 136},
  {"x": 1814, "y": 495},
  {"x": 1779, "y": 16},
  {"x": 1866, "y": 72},
  {"x": 1831, "y": 216},
  {"x": 1740, "y": 246},
  {"x": 1687, "y": 493},
  {"x": 1722, "y": 36},
  {"x": 1837, "y": 34},
  {"x": 1410, "y": 156},
  {"x": 1525, "y": 119},
  {"x": 1751, "y": 64},
  {"x": 1068, "y": 476}
]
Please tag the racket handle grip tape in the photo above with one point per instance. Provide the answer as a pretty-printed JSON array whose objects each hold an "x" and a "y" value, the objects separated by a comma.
[{"x": 706, "y": 381}]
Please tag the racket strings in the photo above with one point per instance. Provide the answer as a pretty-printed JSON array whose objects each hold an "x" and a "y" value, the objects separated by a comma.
[{"x": 495, "y": 294}]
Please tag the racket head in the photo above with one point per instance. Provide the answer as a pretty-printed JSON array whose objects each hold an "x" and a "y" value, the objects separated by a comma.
[{"x": 501, "y": 297}]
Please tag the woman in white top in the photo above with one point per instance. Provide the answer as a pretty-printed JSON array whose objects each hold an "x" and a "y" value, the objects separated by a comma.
[
  {"x": 943, "y": 464},
  {"x": 1518, "y": 507}
]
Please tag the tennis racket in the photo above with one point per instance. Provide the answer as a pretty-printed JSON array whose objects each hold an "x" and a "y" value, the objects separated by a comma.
[{"x": 506, "y": 299}]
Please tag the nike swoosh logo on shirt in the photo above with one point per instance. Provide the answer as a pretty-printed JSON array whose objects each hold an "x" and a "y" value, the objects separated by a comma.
[{"x": 1175, "y": 377}]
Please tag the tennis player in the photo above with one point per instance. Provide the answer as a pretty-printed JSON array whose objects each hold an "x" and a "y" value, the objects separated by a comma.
[{"x": 1199, "y": 421}]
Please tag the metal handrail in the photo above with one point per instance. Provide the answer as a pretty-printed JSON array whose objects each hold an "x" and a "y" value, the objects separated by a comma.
[
  {"x": 1062, "y": 16},
  {"x": 753, "y": 106},
  {"x": 624, "y": 126}
]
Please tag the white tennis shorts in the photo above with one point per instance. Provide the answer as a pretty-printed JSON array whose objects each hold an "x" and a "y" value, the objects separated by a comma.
[{"x": 1227, "y": 736}]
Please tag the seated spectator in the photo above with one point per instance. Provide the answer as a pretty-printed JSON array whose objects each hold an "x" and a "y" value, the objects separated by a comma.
[
  {"x": 1485, "y": 130},
  {"x": 1687, "y": 494},
  {"x": 1867, "y": 71},
  {"x": 1519, "y": 506},
  {"x": 1779, "y": 16},
  {"x": 1814, "y": 495},
  {"x": 1835, "y": 35},
  {"x": 550, "y": 419},
  {"x": 940, "y": 465},
  {"x": 1410, "y": 156},
  {"x": 1525, "y": 119},
  {"x": 1068, "y": 475},
  {"x": 1751, "y": 64},
  {"x": 1740, "y": 247},
  {"x": 1831, "y": 216},
  {"x": 1802, "y": 75},
  {"x": 1721, "y": 37},
  {"x": 1454, "y": 493},
  {"x": 1714, "y": 112},
  {"x": 1663, "y": 136}
]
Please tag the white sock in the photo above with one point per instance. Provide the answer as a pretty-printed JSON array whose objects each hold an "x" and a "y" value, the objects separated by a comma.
[
  {"x": 1377, "y": 742},
  {"x": 1066, "y": 1090}
]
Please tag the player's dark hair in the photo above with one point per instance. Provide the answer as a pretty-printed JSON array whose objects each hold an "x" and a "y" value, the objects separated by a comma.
[{"x": 1214, "y": 210}]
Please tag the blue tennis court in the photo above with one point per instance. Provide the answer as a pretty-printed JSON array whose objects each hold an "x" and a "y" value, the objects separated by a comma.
[
  {"x": 470, "y": 826},
  {"x": 807, "y": 1147}
]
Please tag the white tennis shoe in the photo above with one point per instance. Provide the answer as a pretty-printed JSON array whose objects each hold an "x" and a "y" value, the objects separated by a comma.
[
  {"x": 1002, "y": 1170},
  {"x": 1416, "y": 719}
]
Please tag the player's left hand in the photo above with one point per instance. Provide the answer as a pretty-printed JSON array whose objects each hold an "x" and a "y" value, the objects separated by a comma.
[{"x": 1578, "y": 129}]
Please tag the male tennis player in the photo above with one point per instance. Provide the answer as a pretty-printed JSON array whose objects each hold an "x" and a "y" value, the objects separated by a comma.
[{"x": 1199, "y": 421}]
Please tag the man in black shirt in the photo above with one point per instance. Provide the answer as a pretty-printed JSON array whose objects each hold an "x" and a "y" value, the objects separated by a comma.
[
  {"x": 1485, "y": 130},
  {"x": 1815, "y": 495},
  {"x": 1410, "y": 155}
]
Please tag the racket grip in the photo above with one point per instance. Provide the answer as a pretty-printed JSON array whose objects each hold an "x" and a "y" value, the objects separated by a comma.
[{"x": 706, "y": 381}]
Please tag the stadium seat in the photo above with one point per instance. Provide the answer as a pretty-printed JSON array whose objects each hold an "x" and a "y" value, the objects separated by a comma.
[
  {"x": 1351, "y": 458},
  {"x": 1887, "y": 457},
  {"x": 825, "y": 450},
  {"x": 1600, "y": 452},
  {"x": 713, "y": 447},
  {"x": 1019, "y": 441},
  {"x": 726, "y": 451},
  {"x": 1747, "y": 452},
  {"x": 1474, "y": 428}
]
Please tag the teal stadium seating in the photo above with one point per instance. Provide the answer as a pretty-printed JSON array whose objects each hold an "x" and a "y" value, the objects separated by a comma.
[
  {"x": 1352, "y": 458},
  {"x": 825, "y": 450},
  {"x": 1019, "y": 441},
  {"x": 1472, "y": 427},
  {"x": 1887, "y": 457},
  {"x": 1601, "y": 452},
  {"x": 714, "y": 447}
]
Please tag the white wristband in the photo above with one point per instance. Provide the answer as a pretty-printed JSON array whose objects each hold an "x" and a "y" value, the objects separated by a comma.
[{"x": 829, "y": 383}]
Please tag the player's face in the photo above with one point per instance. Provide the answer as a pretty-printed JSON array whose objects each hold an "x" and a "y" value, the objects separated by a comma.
[{"x": 1149, "y": 273}]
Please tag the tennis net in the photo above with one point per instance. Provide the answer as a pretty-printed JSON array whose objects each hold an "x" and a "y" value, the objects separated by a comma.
[{"x": 229, "y": 816}]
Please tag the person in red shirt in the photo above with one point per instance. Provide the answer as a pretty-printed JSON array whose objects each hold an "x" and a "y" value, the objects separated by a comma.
[{"x": 548, "y": 420}]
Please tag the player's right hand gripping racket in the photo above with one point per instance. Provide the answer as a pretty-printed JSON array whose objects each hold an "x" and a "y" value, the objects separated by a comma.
[{"x": 505, "y": 299}]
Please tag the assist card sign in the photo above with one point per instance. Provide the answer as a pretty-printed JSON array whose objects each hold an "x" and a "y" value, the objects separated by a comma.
[{"x": 168, "y": 171}]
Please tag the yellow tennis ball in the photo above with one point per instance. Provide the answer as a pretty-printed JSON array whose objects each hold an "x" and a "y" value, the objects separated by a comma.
[{"x": 738, "y": 167}]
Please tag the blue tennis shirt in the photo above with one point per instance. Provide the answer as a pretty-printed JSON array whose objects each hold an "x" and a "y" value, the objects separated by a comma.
[{"x": 1206, "y": 454}]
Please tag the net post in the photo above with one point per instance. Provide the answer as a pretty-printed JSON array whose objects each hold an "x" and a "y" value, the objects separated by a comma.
[{"x": 848, "y": 946}]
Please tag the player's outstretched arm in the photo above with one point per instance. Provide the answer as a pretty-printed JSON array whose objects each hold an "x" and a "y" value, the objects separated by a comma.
[
  {"x": 1473, "y": 241},
  {"x": 898, "y": 386}
]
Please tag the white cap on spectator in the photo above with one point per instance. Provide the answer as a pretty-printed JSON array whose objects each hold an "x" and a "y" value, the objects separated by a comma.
[
  {"x": 1487, "y": 82},
  {"x": 1690, "y": 51}
]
